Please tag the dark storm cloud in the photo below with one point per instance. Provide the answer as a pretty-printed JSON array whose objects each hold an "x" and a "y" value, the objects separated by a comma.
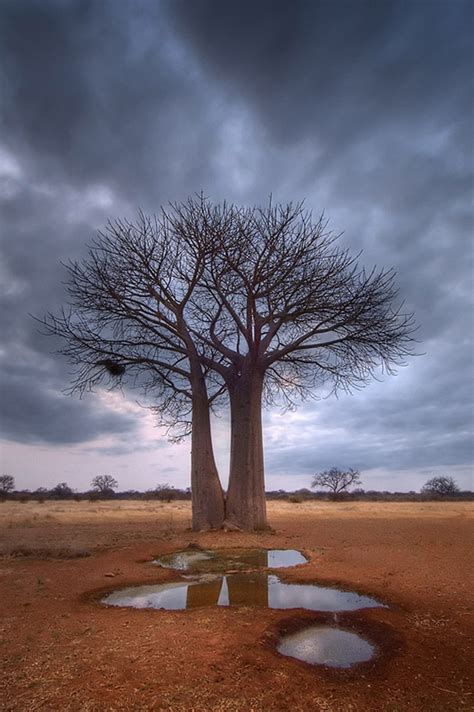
[
  {"x": 95, "y": 92},
  {"x": 35, "y": 236},
  {"x": 35, "y": 411},
  {"x": 381, "y": 97},
  {"x": 336, "y": 69},
  {"x": 362, "y": 108},
  {"x": 96, "y": 112}
]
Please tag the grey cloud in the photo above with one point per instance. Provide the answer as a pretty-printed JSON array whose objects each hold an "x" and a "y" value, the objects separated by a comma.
[
  {"x": 94, "y": 92},
  {"x": 421, "y": 417},
  {"x": 364, "y": 109},
  {"x": 35, "y": 411},
  {"x": 333, "y": 69},
  {"x": 383, "y": 94},
  {"x": 128, "y": 445}
]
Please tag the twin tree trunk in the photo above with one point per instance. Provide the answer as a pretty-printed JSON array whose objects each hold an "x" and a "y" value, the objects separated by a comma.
[
  {"x": 245, "y": 506},
  {"x": 208, "y": 504}
]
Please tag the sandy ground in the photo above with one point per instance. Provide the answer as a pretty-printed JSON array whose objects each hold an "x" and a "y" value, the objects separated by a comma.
[{"x": 61, "y": 650}]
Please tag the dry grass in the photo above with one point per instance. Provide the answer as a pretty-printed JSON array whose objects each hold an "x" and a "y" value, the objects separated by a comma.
[
  {"x": 15, "y": 514},
  {"x": 52, "y": 528},
  {"x": 41, "y": 552},
  {"x": 371, "y": 510}
]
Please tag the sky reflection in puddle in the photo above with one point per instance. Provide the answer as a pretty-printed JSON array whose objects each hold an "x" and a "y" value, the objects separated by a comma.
[
  {"x": 204, "y": 560},
  {"x": 326, "y": 645},
  {"x": 251, "y": 589}
]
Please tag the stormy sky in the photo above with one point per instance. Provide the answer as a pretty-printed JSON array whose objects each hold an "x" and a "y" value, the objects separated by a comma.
[{"x": 363, "y": 109}]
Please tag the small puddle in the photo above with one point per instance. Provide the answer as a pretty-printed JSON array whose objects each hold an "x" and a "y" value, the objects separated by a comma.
[
  {"x": 214, "y": 560},
  {"x": 326, "y": 645},
  {"x": 250, "y": 589}
]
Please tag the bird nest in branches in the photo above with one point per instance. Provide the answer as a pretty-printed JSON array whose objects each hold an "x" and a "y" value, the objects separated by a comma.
[{"x": 113, "y": 367}]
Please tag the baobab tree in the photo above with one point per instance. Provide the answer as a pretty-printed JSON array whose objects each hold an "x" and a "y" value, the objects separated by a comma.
[{"x": 207, "y": 301}]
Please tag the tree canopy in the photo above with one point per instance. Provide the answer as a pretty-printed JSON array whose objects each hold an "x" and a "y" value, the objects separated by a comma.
[
  {"x": 440, "y": 485},
  {"x": 104, "y": 484},
  {"x": 336, "y": 480},
  {"x": 7, "y": 484}
]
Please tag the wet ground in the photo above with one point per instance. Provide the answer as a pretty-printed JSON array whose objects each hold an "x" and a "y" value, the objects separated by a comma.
[{"x": 322, "y": 645}]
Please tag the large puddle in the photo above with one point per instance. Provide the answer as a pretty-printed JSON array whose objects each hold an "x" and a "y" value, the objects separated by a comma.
[
  {"x": 220, "y": 560},
  {"x": 326, "y": 645},
  {"x": 249, "y": 589}
]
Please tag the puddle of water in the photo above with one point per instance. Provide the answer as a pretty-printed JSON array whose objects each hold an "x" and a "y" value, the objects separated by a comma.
[
  {"x": 229, "y": 559},
  {"x": 326, "y": 645},
  {"x": 251, "y": 589},
  {"x": 184, "y": 560}
]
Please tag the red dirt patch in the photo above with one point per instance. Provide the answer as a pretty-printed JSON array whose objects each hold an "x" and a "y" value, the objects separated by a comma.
[{"x": 62, "y": 650}]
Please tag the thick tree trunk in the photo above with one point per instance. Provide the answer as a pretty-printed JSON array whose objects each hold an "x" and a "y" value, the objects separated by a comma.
[
  {"x": 245, "y": 504},
  {"x": 208, "y": 505}
]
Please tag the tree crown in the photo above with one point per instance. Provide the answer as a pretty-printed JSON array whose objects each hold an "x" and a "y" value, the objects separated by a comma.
[
  {"x": 7, "y": 483},
  {"x": 440, "y": 485},
  {"x": 104, "y": 483},
  {"x": 213, "y": 291},
  {"x": 336, "y": 480}
]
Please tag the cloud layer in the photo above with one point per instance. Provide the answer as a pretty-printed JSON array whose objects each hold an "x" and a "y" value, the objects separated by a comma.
[{"x": 364, "y": 109}]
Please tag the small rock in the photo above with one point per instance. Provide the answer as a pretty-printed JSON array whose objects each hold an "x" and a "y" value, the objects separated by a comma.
[{"x": 110, "y": 574}]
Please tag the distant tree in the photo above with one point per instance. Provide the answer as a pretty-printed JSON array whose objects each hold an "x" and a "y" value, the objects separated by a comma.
[
  {"x": 337, "y": 481},
  {"x": 104, "y": 485},
  {"x": 440, "y": 485},
  {"x": 61, "y": 491},
  {"x": 7, "y": 484}
]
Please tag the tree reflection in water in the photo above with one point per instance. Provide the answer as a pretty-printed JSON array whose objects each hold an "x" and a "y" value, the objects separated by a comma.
[
  {"x": 203, "y": 594},
  {"x": 245, "y": 590},
  {"x": 235, "y": 590}
]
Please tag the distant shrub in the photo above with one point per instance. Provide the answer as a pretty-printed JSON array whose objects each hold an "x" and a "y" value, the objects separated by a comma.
[
  {"x": 40, "y": 495},
  {"x": 295, "y": 499},
  {"x": 61, "y": 491},
  {"x": 164, "y": 492}
]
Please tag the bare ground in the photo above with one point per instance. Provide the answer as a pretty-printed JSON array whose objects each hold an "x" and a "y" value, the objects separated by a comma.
[{"x": 61, "y": 650}]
